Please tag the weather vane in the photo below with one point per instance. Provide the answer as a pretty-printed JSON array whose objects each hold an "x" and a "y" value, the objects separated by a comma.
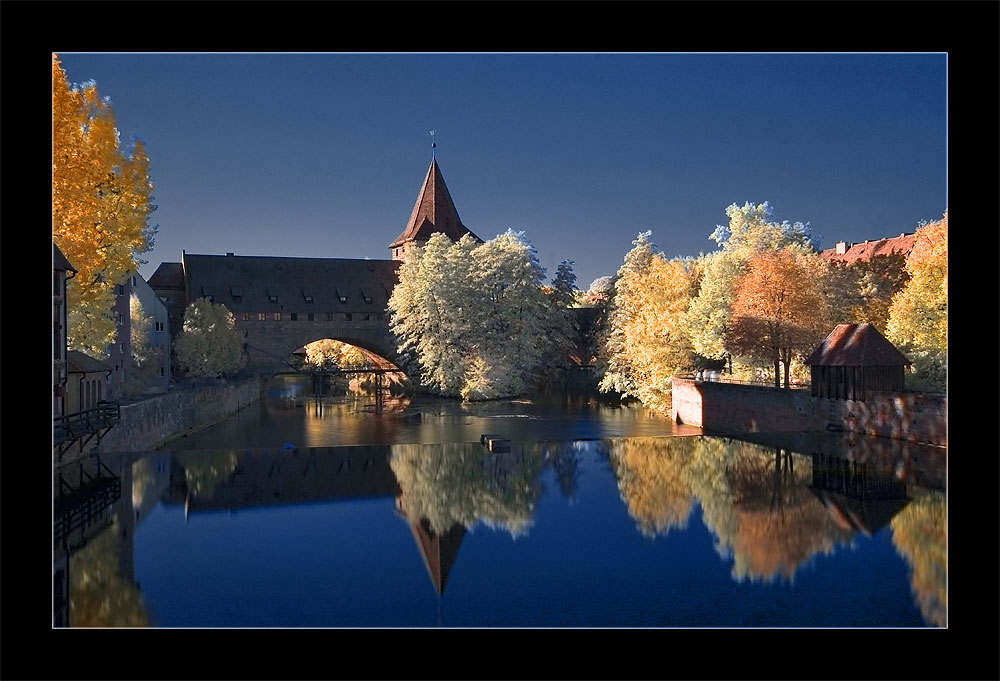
[{"x": 433, "y": 143}]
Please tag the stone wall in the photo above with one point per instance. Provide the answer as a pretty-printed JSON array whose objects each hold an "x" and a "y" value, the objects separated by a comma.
[
  {"x": 150, "y": 423},
  {"x": 737, "y": 409}
]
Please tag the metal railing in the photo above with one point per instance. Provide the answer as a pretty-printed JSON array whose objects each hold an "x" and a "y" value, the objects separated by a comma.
[{"x": 759, "y": 382}]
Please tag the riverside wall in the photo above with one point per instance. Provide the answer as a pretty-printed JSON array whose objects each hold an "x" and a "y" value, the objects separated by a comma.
[
  {"x": 739, "y": 409},
  {"x": 153, "y": 422}
]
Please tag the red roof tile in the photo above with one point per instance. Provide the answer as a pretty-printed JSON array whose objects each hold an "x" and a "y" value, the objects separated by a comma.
[
  {"x": 867, "y": 250},
  {"x": 856, "y": 345},
  {"x": 434, "y": 211}
]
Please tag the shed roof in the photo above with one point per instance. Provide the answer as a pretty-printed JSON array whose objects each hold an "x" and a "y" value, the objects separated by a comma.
[
  {"x": 434, "y": 211},
  {"x": 248, "y": 283},
  {"x": 81, "y": 363},
  {"x": 59, "y": 261},
  {"x": 856, "y": 345}
]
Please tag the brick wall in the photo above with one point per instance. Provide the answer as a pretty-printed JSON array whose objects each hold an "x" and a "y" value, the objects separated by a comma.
[
  {"x": 150, "y": 423},
  {"x": 737, "y": 409}
]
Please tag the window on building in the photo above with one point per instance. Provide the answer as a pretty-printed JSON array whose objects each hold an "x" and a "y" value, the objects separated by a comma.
[
  {"x": 246, "y": 318},
  {"x": 368, "y": 317},
  {"x": 237, "y": 293},
  {"x": 161, "y": 371},
  {"x": 329, "y": 316},
  {"x": 309, "y": 299},
  {"x": 347, "y": 316},
  {"x": 261, "y": 316},
  {"x": 122, "y": 345},
  {"x": 310, "y": 316},
  {"x": 121, "y": 289},
  {"x": 343, "y": 299},
  {"x": 295, "y": 316},
  {"x": 133, "y": 281},
  {"x": 121, "y": 318},
  {"x": 273, "y": 297},
  {"x": 277, "y": 316},
  {"x": 159, "y": 325}
]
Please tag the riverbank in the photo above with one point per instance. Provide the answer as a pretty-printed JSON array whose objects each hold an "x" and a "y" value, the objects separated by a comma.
[{"x": 153, "y": 422}]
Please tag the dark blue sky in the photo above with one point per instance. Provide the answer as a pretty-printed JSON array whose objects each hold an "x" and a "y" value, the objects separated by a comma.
[{"x": 322, "y": 155}]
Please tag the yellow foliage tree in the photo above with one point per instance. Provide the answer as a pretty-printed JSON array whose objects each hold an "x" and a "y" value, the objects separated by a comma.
[
  {"x": 100, "y": 207},
  {"x": 329, "y": 354},
  {"x": 918, "y": 315},
  {"x": 646, "y": 345}
]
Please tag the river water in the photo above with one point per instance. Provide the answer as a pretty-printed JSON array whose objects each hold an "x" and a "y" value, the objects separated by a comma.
[{"x": 314, "y": 512}]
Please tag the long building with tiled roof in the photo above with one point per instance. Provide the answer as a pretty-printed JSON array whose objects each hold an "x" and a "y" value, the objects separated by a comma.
[
  {"x": 849, "y": 253},
  {"x": 283, "y": 303}
]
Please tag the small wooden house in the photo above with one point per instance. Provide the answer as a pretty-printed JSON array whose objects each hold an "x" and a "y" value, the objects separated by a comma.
[{"x": 853, "y": 360}]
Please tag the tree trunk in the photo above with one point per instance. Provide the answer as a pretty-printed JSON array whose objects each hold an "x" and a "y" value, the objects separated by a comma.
[{"x": 777, "y": 369}]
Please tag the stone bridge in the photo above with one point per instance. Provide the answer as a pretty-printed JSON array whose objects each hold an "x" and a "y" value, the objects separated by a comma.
[{"x": 282, "y": 303}]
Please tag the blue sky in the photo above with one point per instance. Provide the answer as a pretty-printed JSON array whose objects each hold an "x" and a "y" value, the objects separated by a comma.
[{"x": 322, "y": 155}]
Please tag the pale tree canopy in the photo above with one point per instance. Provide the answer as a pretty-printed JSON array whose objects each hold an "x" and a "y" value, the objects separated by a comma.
[
  {"x": 210, "y": 344},
  {"x": 471, "y": 315}
]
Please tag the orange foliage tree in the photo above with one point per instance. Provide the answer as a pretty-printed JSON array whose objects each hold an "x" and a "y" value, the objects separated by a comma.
[
  {"x": 100, "y": 207},
  {"x": 779, "y": 308}
]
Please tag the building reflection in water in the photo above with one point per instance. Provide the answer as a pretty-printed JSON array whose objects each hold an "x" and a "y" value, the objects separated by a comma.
[{"x": 770, "y": 506}]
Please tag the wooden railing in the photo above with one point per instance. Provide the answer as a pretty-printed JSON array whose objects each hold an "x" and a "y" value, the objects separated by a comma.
[{"x": 82, "y": 426}]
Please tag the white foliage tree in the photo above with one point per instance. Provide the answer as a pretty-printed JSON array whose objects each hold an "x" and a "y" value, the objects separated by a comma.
[
  {"x": 471, "y": 315},
  {"x": 210, "y": 344}
]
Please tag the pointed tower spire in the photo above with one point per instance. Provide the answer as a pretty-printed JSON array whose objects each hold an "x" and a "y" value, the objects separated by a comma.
[
  {"x": 433, "y": 145},
  {"x": 433, "y": 212}
]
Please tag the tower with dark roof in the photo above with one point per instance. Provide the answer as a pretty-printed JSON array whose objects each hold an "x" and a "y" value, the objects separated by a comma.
[{"x": 433, "y": 212}]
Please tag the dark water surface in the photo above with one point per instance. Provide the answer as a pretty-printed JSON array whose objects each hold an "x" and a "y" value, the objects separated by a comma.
[{"x": 316, "y": 513}]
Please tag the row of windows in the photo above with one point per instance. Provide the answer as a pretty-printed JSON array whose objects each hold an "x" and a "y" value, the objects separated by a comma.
[
  {"x": 272, "y": 298},
  {"x": 311, "y": 316}
]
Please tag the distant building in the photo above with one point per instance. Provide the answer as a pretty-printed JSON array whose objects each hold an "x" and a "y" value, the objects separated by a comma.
[
  {"x": 283, "y": 303},
  {"x": 850, "y": 253},
  {"x": 119, "y": 353},
  {"x": 159, "y": 332},
  {"x": 853, "y": 360},
  {"x": 87, "y": 382}
]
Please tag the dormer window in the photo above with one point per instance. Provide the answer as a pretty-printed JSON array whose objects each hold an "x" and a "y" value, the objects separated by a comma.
[
  {"x": 208, "y": 293},
  {"x": 237, "y": 293},
  {"x": 341, "y": 296},
  {"x": 272, "y": 296},
  {"x": 309, "y": 299},
  {"x": 366, "y": 298}
]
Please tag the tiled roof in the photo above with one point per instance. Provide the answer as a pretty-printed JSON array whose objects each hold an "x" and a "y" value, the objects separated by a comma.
[
  {"x": 434, "y": 211},
  {"x": 247, "y": 283},
  {"x": 168, "y": 275},
  {"x": 59, "y": 261},
  {"x": 81, "y": 363},
  {"x": 901, "y": 244},
  {"x": 856, "y": 345}
]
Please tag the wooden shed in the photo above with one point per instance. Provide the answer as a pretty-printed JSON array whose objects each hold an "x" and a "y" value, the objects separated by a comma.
[{"x": 855, "y": 359}]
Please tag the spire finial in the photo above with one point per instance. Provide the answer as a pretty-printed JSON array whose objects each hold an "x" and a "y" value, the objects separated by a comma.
[{"x": 433, "y": 144}]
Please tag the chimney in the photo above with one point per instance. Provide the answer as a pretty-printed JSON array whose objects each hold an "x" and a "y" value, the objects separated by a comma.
[
  {"x": 842, "y": 247},
  {"x": 229, "y": 255}
]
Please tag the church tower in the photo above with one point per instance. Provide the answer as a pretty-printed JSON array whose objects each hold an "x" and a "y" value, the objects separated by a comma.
[{"x": 433, "y": 212}]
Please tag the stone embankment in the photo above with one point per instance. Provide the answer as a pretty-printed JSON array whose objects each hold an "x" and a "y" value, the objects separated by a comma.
[
  {"x": 153, "y": 422},
  {"x": 739, "y": 409}
]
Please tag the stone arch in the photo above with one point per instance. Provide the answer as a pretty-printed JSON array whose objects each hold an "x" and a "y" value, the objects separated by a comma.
[{"x": 270, "y": 348}]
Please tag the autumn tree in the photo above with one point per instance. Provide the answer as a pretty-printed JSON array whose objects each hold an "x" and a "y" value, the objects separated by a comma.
[
  {"x": 644, "y": 344},
  {"x": 751, "y": 229},
  {"x": 210, "y": 344},
  {"x": 100, "y": 207},
  {"x": 918, "y": 314},
  {"x": 779, "y": 309}
]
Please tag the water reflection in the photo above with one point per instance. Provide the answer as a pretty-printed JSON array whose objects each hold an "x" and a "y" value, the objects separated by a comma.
[{"x": 771, "y": 508}]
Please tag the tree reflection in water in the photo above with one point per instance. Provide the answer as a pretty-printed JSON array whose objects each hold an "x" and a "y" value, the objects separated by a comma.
[
  {"x": 203, "y": 470},
  {"x": 920, "y": 535},
  {"x": 651, "y": 481},
  {"x": 98, "y": 595},
  {"x": 465, "y": 484}
]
